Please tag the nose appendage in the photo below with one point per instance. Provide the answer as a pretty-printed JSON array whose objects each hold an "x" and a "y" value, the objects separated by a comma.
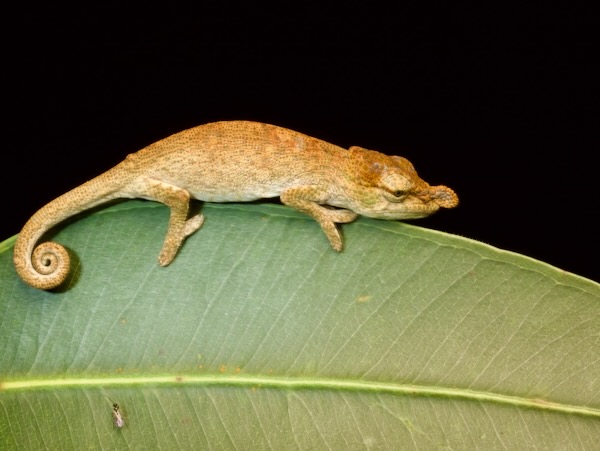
[{"x": 443, "y": 196}]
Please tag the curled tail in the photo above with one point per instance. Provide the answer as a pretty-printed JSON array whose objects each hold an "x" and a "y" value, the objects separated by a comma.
[{"x": 46, "y": 266}]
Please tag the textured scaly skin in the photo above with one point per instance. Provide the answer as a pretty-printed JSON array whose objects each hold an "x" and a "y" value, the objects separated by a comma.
[{"x": 237, "y": 161}]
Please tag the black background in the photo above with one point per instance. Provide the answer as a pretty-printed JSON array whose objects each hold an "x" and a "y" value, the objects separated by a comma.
[{"x": 497, "y": 103}]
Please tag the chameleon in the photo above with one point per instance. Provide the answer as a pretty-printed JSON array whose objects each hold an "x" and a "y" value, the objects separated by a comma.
[{"x": 236, "y": 161}]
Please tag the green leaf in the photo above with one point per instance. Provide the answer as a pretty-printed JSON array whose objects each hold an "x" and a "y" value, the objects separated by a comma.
[{"x": 259, "y": 336}]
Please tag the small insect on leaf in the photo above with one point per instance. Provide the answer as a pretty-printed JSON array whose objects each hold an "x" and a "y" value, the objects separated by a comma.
[{"x": 117, "y": 416}]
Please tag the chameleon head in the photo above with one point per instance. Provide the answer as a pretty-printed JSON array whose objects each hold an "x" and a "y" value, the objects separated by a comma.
[{"x": 391, "y": 189}]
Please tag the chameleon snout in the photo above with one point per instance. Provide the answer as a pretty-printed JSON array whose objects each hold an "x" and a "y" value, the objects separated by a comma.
[{"x": 443, "y": 196}]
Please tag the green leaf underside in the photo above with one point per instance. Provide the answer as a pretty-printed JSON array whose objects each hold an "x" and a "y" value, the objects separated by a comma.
[{"x": 260, "y": 336}]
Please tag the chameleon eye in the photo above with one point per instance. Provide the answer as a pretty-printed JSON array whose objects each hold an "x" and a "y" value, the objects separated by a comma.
[
  {"x": 395, "y": 187},
  {"x": 395, "y": 195}
]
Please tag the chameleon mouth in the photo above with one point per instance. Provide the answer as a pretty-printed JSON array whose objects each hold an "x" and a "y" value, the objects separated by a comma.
[
  {"x": 414, "y": 211},
  {"x": 424, "y": 210}
]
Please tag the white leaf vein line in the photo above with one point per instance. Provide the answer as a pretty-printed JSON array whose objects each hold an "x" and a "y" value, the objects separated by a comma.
[
  {"x": 436, "y": 414},
  {"x": 180, "y": 311},
  {"x": 537, "y": 352},
  {"x": 583, "y": 369},
  {"x": 493, "y": 424},
  {"x": 41, "y": 345},
  {"x": 152, "y": 413},
  {"x": 7, "y": 426},
  {"x": 559, "y": 362},
  {"x": 491, "y": 326},
  {"x": 381, "y": 428},
  {"x": 143, "y": 334},
  {"x": 98, "y": 300},
  {"x": 273, "y": 285},
  {"x": 408, "y": 326},
  {"x": 490, "y": 291},
  {"x": 111, "y": 225},
  {"x": 120, "y": 314},
  {"x": 291, "y": 422},
  {"x": 22, "y": 335},
  {"x": 260, "y": 284},
  {"x": 92, "y": 406},
  {"x": 199, "y": 418},
  {"x": 284, "y": 308},
  {"x": 447, "y": 337},
  {"x": 342, "y": 419},
  {"x": 174, "y": 432},
  {"x": 213, "y": 300},
  {"x": 317, "y": 326},
  {"x": 315, "y": 422},
  {"x": 357, "y": 424},
  {"x": 6, "y": 306},
  {"x": 402, "y": 421},
  {"x": 350, "y": 337},
  {"x": 66, "y": 417},
  {"x": 368, "y": 318},
  {"x": 223, "y": 423},
  {"x": 149, "y": 347},
  {"x": 375, "y": 427},
  {"x": 525, "y": 424},
  {"x": 259, "y": 419},
  {"x": 232, "y": 325},
  {"x": 465, "y": 349},
  {"x": 42, "y": 341},
  {"x": 574, "y": 434},
  {"x": 325, "y": 347},
  {"x": 466, "y": 425},
  {"x": 36, "y": 418},
  {"x": 523, "y": 321},
  {"x": 553, "y": 431}
]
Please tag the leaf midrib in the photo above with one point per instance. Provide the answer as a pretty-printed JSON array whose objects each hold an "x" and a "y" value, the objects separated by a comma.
[{"x": 297, "y": 383}]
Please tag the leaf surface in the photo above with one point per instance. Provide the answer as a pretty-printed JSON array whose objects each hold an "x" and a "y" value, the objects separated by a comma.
[{"x": 259, "y": 336}]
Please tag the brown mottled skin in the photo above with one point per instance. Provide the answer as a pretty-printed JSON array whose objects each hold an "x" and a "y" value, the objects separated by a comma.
[{"x": 237, "y": 161}]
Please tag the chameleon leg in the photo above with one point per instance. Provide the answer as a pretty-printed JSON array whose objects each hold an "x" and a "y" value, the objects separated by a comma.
[
  {"x": 307, "y": 199},
  {"x": 180, "y": 227}
]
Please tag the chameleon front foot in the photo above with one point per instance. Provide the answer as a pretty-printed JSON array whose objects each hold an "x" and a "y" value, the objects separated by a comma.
[{"x": 328, "y": 218}]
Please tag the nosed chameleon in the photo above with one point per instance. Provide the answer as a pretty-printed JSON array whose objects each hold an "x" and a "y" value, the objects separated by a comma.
[{"x": 237, "y": 161}]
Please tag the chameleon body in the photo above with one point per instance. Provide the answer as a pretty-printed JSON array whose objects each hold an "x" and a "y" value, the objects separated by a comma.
[{"x": 237, "y": 161}]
